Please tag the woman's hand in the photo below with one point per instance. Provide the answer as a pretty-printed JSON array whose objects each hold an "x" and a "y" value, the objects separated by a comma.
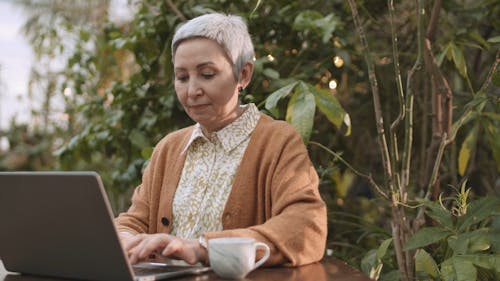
[{"x": 139, "y": 247}]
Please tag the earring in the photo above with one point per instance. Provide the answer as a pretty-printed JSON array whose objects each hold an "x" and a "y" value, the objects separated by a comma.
[{"x": 240, "y": 89}]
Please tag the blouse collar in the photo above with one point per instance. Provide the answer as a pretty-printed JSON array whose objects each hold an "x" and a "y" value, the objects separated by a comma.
[{"x": 233, "y": 134}]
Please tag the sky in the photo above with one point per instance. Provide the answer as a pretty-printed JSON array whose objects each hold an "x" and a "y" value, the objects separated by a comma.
[
  {"x": 16, "y": 58},
  {"x": 15, "y": 62}
]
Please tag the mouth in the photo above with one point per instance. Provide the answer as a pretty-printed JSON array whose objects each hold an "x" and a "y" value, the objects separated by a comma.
[{"x": 195, "y": 106}]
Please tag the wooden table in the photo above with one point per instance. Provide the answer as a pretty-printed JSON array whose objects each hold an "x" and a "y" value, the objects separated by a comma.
[{"x": 329, "y": 269}]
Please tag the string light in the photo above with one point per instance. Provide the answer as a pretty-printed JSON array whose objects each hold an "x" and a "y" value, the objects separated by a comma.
[
  {"x": 333, "y": 84},
  {"x": 338, "y": 61},
  {"x": 337, "y": 43},
  {"x": 340, "y": 201},
  {"x": 68, "y": 92},
  {"x": 385, "y": 61}
]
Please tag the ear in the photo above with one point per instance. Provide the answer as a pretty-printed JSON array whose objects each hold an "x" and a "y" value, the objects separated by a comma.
[{"x": 246, "y": 74}]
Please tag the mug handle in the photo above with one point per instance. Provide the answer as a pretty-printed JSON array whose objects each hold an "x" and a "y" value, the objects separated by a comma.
[{"x": 266, "y": 255}]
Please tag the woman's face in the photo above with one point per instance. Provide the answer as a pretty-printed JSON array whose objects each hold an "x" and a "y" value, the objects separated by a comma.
[{"x": 205, "y": 84}]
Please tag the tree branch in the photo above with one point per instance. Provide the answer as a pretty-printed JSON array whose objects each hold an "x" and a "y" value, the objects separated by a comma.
[
  {"x": 398, "y": 249},
  {"x": 410, "y": 93},
  {"x": 401, "y": 184},
  {"x": 419, "y": 219},
  {"x": 441, "y": 94},
  {"x": 492, "y": 71},
  {"x": 379, "y": 120},
  {"x": 369, "y": 178},
  {"x": 176, "y": 10},
  {"x": 432, "y": 27}
]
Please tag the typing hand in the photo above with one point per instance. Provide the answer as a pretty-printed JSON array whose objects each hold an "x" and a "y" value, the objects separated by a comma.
[{"x": 139, "y": 247}]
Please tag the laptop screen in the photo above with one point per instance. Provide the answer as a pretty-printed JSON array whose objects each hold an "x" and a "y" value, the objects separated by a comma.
[{"x": 59, "y": 224}]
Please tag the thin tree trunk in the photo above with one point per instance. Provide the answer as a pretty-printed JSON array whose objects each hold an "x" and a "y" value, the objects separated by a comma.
[{"x": 399, "y": 223}]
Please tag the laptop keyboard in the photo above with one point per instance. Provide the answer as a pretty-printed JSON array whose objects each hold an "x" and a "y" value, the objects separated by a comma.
[{"x": 144, "y": 270}]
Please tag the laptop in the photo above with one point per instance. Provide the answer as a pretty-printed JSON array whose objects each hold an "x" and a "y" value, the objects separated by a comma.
[{"x": 60, "y": 224}]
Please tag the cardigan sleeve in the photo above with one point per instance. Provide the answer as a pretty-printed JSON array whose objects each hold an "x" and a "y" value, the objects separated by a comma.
[
  {"x": 160, "y": 178},
  {"x": 297, "y": 227}
]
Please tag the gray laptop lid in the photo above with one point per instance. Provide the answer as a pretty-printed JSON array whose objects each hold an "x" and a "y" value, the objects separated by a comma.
[{"x": 59, "y": 224}]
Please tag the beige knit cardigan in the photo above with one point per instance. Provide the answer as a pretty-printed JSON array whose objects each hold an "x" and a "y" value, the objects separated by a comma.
[{"x": 274, "y": 198}]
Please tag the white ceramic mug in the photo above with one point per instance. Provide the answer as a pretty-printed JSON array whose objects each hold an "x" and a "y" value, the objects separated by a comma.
[{"x": 234, "y": 257}]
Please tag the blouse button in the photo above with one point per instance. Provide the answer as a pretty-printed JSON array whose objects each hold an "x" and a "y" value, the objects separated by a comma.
[{"x": 165, "y": 221}]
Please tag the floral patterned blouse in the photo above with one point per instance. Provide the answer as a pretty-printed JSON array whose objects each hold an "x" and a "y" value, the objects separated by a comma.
[{"x": 208, "y": 175}]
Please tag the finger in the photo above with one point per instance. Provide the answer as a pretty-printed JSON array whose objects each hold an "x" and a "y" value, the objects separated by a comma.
[
  {"x": 179, "y": 249},
  {"x": 135, "y": 246},
  {"x": 153, "y": 244},
  {"x": 174, "y": 247},
  {"x": 133, "y": 241}
]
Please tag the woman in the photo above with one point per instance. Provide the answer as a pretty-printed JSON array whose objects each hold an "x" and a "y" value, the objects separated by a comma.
[{"x": 236, "y": 172}]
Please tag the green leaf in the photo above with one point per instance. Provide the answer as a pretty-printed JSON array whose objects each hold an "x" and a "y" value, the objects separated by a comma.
[
  {"x": 463, "y": 267},
  {"x": 305, "y": 20},
  {"x": 368, "y": 261},
  {"x": 492, "y": 115},
  {"x": 313, "y": 21},
  {"x": 301, "y": 110},
  {"x": 426, "y": 236},
  {"x": 382, "y": 250},
  {"x": 470, "y": 242},
  {"x": 440, "y": 57},
  {"x": 147, "y": 152},
  {"x": 457, "y": 246},
  {"x": 495, "y": 235},
  {"x": 371, "y": 265},
  {"x": 477, "y": 211},
  {"x": 457, "y": 269},
  {"x": 438, "y": 213},
  {"x": 138, "y": 139},
  {"x": 496, "y": 78},
  {"x": 479, "y": 39},
  {"x": 425, "y": 263},
  {"x": 477, "y": 103},
  {"x": 491, "y": 262},
  {"x": 84, "y": 35},
  {"x": 466, "y": 150},
  {"x": 271, "y": 73},
  {"x": 115, "y": 118},
  {"x": 329, "y": 105},
  {"x": 479, "y": 243},
  {"x": 459, "y": 60},
  {"x": 393, "y": 275},
  {"x": 495, "y": 39},
  {"x": 449, "y": 50},
  {"x": 493, "y": 137},
  {"x": 328, "y": 25},
  {"x": 273, "y": 99},
  {"x": 147, "y": 120},
  {"x": 471, "y": 44}
]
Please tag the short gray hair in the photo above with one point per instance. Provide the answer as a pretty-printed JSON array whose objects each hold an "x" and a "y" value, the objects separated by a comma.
[{"x": 229, "y": 31}]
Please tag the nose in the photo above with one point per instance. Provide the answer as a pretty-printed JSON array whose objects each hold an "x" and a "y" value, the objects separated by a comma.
[{"x": 194, "y": 89}]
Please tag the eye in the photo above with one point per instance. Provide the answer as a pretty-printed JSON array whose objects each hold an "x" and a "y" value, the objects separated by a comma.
[
  {"x": 182, "y": 78},
  {"x": 208, "y": 75}
]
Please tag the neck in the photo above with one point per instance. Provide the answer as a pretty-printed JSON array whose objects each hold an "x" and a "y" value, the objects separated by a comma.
[{"x": 207, "y": 131}]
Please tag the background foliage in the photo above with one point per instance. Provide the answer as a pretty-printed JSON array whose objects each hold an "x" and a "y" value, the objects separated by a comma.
[{"x": 116, "y": 87}]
